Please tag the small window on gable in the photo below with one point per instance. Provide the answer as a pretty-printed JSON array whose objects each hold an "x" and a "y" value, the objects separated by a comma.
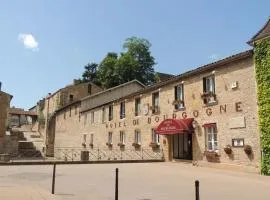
[{"x": 71, "y": 98}]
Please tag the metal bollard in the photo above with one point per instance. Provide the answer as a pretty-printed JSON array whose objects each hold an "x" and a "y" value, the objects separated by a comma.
[
  {"x": 197, "y": 192},
  {"x": 116, "y": 184},
  {"x": 53, "y": 179}
]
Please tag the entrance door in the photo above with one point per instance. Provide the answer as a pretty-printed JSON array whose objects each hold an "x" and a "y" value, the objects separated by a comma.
[{"x": 182, "y": 146}]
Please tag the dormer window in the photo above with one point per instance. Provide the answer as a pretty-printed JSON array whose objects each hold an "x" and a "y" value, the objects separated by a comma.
[
  {"x": 155, "y": 103},
  {"x": 209, "y": 91},
  {"x": 71, "y": 98},
  {"x": 179, "y": 97},
  {"x": 110, "y": 117},
  {"x": 122, "y": 110}
]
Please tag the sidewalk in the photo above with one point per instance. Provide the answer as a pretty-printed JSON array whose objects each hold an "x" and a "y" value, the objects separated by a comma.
[{"x": 26, "y": 193}]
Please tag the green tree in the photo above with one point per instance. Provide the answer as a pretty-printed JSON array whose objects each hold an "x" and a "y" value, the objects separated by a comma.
[
  {"x": 90, "y": 73},
  {"x": 106, "y": 72},
  {"x": 139, "y": 49},
  {"x": 136, "y": 62}
]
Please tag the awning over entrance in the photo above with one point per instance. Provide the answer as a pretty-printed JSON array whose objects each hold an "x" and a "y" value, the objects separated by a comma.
[{"x": 175, "y": 126}]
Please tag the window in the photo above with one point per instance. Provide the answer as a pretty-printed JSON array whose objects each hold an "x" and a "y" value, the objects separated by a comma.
[
  {"x": 122, "y": 110},
  {"x": 85, "y": 119},
  {"x": 89, "y": 88},
  {"x": 64, "y": 114},
  {"x": 76, "y": 111},
  {"x": 137, "y": 137},
  {"x": 91, "y": 139},
  {"x": 211, "y": 137},
  {"x": 92, "y": 117},
  {"x": 70, "y": 111},
  {"x": 84, "y": 138},
  {"x": 110, "y": 113},
  {"x": 155, "y": 137},
  {"x": 179, "y": 96},
  {"x": 71, "y": 98},
  {"x": 155, "y": 102},
  {"x": 122, "y": 137},
  {"x": 209, "y": 89},
  {"x": 110, "y": 138},
  {"x": 137, "y": 106},
  {"x": 103, "y": 114}
]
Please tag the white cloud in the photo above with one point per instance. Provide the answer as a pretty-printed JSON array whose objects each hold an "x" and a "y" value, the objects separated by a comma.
[{"x": 28, "y": 41}]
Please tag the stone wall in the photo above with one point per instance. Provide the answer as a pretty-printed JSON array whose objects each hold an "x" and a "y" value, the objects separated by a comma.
[
  {"x": 4, "y": 106},
  {"x": 235, "y": 114}
]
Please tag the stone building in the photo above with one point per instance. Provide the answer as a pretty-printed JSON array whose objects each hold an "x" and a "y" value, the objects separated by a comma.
[
  {"x": 63, "y": 97},
  {"x": 5, "y": 99},
  {"x": 208, "y": 115}
]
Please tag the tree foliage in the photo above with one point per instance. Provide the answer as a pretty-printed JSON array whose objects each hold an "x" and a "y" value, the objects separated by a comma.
[
  {"x": 136, "y": 62},
  {"x": 262, "y": 63}
]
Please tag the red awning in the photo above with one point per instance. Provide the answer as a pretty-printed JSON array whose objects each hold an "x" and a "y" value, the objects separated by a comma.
[
  {"x": 209, "y": 125},
  {"x": 175, "y": 126}
]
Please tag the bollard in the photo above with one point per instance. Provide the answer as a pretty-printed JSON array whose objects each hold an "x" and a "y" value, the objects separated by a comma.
[
  {"x": 116, "y": 184},
  {"x": 53, "y": 179},
  {"x": 197, "y": 192}
]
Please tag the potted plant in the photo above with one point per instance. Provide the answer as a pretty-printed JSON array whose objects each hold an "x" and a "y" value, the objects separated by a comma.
[
  {"x": 154, "y": 144},
  {"x": 211, "y": 154},
  {"x": 248, "y": 149},
  {"x": 228, "y": 149},
  {"x": 121, "y": 144},
  {"x": 208, "y": 94},
  {"x": 136, "y": 145},
  {"x": 109, "y": 144}
]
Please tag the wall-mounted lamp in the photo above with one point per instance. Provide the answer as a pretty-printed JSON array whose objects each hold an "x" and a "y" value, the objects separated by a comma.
[
  {"x": 213, "y": 72},
  {"x": 195, "y": 124}
]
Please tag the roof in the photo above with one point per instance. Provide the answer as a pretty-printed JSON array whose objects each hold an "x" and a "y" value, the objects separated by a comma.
[
  {"x": 7, "y": 94},
  {"x": 69, "y": 86},
  {"x": 114, "y": 88},
  {"x": 202, "y": 69},
  {"x": 164, "y": 76},
  {"x": 70, "y": 104},
  {"x": 262, "y": 33},
  {"x": 18, "y": 111}
]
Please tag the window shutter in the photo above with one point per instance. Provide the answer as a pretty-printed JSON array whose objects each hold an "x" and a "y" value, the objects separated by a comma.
[{"x": 204, "y": 84}]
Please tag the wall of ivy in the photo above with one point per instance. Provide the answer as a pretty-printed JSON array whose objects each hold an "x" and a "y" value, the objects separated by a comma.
[{"x": 262, "y": 66}]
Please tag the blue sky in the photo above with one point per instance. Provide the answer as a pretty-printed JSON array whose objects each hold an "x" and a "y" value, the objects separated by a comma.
[{"x": 45, "y": 44}]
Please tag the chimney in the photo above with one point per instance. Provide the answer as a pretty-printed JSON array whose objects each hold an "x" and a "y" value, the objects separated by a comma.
[{"x": 0, "y": 86}]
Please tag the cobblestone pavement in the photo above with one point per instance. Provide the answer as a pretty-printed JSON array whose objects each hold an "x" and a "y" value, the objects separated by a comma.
[{"x": 147, "y": 181}]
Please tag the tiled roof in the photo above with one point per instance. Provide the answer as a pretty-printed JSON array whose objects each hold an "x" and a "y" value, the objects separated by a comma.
[
  {"x": 202, "y": 69},
  {"x": 262, "y": 33}
]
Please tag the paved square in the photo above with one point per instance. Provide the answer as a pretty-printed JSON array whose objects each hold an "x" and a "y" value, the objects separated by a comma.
[{"x": 148, "y": 181}]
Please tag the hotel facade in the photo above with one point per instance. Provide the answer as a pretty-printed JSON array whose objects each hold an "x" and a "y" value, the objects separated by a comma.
[{"x": 208, "y": 116}]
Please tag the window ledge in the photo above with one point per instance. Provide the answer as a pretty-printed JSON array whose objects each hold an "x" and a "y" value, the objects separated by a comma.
[
  {"x": 179, "y": 109},
  {"x": 109, "y": 144},
  {"x": 213, "y": 103},
  {"x": 136, "y": 144},
  {"x": 120, "y": 144},
  {"x": 154, "y": 144}
]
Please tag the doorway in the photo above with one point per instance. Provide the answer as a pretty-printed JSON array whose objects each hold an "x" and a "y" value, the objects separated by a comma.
[{"x": 182, "y": 146}]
